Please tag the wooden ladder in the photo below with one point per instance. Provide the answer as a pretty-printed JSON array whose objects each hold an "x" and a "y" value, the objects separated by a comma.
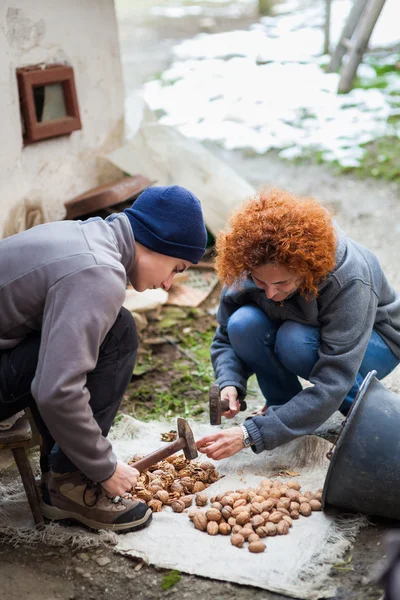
[{"x": 362, "y": 19}]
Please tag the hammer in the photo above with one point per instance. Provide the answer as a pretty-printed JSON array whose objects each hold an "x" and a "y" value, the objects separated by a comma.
[
  {"x": 218, "y": 406},
  {"x": 184, "y": 442}
]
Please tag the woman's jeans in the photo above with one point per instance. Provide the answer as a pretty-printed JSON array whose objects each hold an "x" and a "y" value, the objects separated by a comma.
[
  {"x": 279, "y": 354},
  {"x": 107, "y": 384}
]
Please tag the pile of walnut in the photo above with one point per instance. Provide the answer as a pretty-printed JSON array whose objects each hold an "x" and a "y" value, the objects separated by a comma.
[
  {"x": 251, "y": 514},
  {"x": 173, "y": 482}
]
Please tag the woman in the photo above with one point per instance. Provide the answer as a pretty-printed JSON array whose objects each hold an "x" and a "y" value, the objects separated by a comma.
[{"x": 300, "y": 299}]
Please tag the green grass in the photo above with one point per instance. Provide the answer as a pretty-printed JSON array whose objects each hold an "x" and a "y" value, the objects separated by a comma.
[
  {"x": 170, "y": 579},
  {"x": 177, "y": 388}
]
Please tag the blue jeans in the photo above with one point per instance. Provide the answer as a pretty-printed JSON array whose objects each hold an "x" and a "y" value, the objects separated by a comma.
[{"x": 279, "y": 354}]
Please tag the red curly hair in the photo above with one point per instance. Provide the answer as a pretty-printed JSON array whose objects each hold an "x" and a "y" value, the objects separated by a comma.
[{"x": 276, "y": 227}]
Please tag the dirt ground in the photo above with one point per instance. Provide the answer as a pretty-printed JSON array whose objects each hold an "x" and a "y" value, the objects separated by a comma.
[{"x": 367, "y": 210}]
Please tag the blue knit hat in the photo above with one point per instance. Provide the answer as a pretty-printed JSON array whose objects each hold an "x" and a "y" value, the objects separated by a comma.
[{"x": 169, "y": 220}]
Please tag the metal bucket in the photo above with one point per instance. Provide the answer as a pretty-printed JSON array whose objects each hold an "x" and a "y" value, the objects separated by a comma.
[{"x": 364, "y": 473}]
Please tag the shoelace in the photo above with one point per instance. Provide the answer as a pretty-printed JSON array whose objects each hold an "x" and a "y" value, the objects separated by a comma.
[{"x": 97, "y": 489}]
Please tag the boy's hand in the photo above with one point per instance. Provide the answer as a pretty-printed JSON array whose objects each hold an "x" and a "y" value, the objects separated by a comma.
[{"x": 123, "y": 480}]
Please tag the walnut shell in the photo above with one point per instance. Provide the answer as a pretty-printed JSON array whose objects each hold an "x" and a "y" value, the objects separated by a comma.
[
  {"x": 294, "y": 485},
  {"x": 243, "y": 518},
  {"x": 293, "y": 495},
  {"x": 176, "y": 487},
  {"x": 268, "y": 504},
  {"x": 213, "y": 515},
  {"x": 262, "y": 531},
  {"x": 217, "y": 505},
  {"x": 288, "y": 520},
  {"x": 224, "y": 528},
  {"x": 256, "y": 547},
  {"x": 257, "y": 521},
  {"x": 282, "y": 528},
  {"x": 239, "y": 502},
  {"x": 227, "y": 501},
  {"x": 201, "y": 499},
  {"x": 239, "y": 509},
  {"x": 302, "y": 500},
  {"x": 283, "y": 511},
  {"x": 294, "y": 514},
  {"x": 200, "y": 521},
  {"x": 315, "y": 504},
  {"x": 155, "y": 505},
  {"x": 256, "y": 508},
  {"x": 162, "y": 495},
  {"x": 283, "y": 503},
  {"x": 271, "y": 528},
  {"x": 226, "y": 512},
  {"x": 187, "y": 500},
  {"x": 237, "y": 540},
  {"x": 294, "y": 506},
  {"x": 198, "y": 487},
  {"x": 178, "y": 506},
  {"x": 253, "y": 538},
  {"x": 236, "y": 528},
  {"x": 275, "y": 493},
  {"x": 275, "y": 517},
  {"x": 305, "y": 509},
  {"x": 212, "y": 528},
  {"x": 145, "y": 495},
  {"x": 206, "y": 466},
  {"x": 246, "y": 531}
]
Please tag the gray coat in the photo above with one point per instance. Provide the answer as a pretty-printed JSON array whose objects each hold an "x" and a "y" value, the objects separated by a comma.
[
  {"x": 354, "y": 299},
  {"x": 67, "y": 280}
]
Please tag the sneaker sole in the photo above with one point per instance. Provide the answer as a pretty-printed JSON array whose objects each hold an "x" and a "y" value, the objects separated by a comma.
[{"x": 52, "y": 513}]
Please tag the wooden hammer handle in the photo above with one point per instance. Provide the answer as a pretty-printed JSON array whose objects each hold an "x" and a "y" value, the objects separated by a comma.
[{"x": 157, "y": 455}]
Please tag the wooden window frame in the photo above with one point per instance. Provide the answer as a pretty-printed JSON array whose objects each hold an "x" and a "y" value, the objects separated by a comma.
[{"x": 34, "y": 76}]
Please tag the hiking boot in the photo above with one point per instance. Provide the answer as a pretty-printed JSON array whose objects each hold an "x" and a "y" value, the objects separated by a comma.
[{"x": 74, "y": 497}]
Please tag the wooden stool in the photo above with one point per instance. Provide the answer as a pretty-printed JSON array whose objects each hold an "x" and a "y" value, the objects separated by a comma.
[{"x": 17, "y": 440}]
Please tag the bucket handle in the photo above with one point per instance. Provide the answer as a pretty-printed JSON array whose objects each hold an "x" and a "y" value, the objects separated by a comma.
[{"x": 363, "y": 386}]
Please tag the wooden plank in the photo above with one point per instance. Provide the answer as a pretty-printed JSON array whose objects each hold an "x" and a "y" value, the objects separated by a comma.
[{"x": 18, "y": 435}]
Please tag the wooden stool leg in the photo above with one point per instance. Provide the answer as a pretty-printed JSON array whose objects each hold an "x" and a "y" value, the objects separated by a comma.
[{"x": 28, "y": 480}]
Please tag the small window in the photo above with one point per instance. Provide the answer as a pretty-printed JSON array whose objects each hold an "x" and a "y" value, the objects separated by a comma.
[{"x": 49, "y": 106}]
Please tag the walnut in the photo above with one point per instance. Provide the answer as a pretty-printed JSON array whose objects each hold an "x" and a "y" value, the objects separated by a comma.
[
  {"x": 237, "y": 540},
  {"x": 256, "y": 547},
  {"x": 201, "y": 499},
  {"x": 200, "y": 521},
  {"x": 213, "y": 514},
  {"x": 178, "y": 506},
  {"x": 162, "y": 495},
  {"x": 187, "y": 500},
  {"x": 198, "y": 487},
  {"x": 212, "y": 528},
  {"x": 224, "y": 528}
]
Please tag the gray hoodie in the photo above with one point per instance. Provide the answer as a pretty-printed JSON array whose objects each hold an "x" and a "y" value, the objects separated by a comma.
[
  {"x": 354, "y": 299},
  {"x": 67, "y": 279}
]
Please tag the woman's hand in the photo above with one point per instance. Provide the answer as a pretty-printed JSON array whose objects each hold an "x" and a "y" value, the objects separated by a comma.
[
  {"x": 230, "y": 393},
  {"x": 123, "y": 480},
  {"x": 222, "y": 444}
]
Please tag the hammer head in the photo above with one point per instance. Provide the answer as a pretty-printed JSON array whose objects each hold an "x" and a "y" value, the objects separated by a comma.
[
  {"x": 184, "y": 431},
  {"x": 215, "y": 405}
]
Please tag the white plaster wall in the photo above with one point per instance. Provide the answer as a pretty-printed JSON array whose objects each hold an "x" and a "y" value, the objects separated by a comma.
[{"x": 83, "y": 34}]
